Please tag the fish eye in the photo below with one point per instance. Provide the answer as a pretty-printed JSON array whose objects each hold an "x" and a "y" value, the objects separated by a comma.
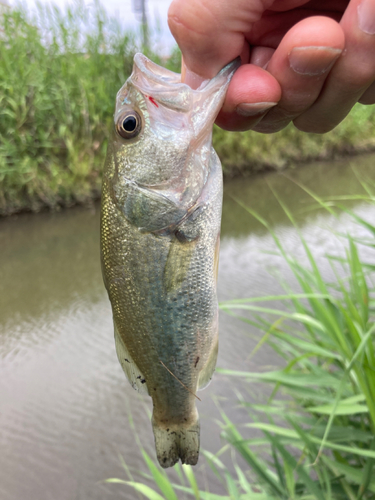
[{"x": 129, "y": 124}]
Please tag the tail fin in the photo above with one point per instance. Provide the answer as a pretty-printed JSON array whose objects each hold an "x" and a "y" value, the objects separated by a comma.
[{"x": 177, "y": 442}]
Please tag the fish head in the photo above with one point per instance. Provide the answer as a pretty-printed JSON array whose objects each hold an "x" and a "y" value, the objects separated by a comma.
[
  {"x": 162, "y": 132},
  {"x": 159, "y": 122}
]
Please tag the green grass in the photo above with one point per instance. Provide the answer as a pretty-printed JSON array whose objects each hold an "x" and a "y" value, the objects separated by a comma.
[
  {"x": 56, "y": 93},
  {"x": 59, "y": 75},
  {"x": 319, "y": 436},
  {"x": 317, "y": 428}
]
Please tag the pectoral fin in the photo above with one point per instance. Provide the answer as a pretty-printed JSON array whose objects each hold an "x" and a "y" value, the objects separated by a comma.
[
  {"x": 177, "y": 265},
  {"x": 147, "y": 209}
]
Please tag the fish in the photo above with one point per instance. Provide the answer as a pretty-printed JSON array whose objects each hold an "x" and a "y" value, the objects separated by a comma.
[{"x": 160, "y": 235}]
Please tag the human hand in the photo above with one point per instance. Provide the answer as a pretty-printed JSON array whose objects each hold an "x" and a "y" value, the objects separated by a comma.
[{"x": 303, "y": 61}]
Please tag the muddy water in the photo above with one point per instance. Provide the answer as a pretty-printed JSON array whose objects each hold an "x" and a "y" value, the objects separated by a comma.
[{"x": 65, "y": 406}]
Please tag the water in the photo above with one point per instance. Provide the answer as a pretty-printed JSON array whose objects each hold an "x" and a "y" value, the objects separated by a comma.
[{"x": 64, "y": 401}]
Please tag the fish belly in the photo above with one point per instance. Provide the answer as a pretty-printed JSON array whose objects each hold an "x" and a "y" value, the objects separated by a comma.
[{"x": 163, "y": 295}]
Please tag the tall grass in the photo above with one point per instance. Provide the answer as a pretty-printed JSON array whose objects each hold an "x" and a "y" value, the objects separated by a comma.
[
  {"x": 318, "y": 426},
  {"x": 59, "y": 74},
  {"x": 320, "y": 435}
]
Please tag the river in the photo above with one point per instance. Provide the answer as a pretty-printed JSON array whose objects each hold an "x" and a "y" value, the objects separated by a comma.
[{"x": 64, "y": 402}]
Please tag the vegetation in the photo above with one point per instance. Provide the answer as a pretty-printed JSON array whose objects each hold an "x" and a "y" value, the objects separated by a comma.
[
  {"x": 249, "y": 152},
  {"x": 59, "y": 74},
  {"x": 318, "y": 438}
]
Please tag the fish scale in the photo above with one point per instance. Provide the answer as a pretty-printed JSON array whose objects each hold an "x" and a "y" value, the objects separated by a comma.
[{"x": 160, "y": 225}]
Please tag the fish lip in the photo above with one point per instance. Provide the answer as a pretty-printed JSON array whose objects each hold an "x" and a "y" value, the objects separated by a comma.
[
  {"x": 159, "y": 74},
  {"x": 165, "y": 77}
]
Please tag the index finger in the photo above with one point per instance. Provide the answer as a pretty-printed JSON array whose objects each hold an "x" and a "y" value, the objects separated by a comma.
[
  {"x": 208, "y": 33},
  {"x": 211, "y": 33}
]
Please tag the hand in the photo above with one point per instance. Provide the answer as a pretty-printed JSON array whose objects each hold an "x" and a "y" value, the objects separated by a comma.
[{"x": 303, "y": 61}]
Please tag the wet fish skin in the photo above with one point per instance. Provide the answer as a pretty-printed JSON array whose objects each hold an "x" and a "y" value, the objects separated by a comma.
[{"x": 160, "y": 225}]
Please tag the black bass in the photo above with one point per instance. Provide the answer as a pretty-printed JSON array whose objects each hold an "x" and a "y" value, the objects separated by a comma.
[{"x": 160, "y": 229}]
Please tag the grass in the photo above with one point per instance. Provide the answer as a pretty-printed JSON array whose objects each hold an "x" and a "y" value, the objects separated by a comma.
[
  {"x": 320, "y": 435},
  {"x": 59, "y": 74},
  {"x": 317, "y": 429},
  {"x": 55, "y": 85}
]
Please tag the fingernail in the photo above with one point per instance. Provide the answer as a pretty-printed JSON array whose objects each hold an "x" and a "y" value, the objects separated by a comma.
[
  {"x": 254, "y": 108},
  {"x": 313, "y": 61},
  {"x": 366, "y": 17}
]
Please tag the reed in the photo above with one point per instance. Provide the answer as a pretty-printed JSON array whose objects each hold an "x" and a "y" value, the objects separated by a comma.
[
  {"x": 59, "y": 74},
  {"x": 319, "y": 437}
]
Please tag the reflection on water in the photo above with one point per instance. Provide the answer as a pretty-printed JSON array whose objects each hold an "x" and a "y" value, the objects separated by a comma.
[{"x": 64, "y": 401}]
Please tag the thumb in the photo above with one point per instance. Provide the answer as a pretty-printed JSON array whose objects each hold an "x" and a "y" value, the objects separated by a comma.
[{"x": 211, "y": 33}]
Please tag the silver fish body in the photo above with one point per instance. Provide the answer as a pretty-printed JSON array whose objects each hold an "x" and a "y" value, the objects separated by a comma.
[{"x": 160, "y": 226}]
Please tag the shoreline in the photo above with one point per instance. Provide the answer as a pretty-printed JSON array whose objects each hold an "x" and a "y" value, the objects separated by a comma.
[{"x": 229, "y": 173}]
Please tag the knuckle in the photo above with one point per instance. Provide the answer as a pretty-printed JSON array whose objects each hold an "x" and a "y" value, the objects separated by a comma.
[
  {"x": 184, "y": 20},
  {"x": 176, "y": 18},
  {"x": 359, "y": 79}
]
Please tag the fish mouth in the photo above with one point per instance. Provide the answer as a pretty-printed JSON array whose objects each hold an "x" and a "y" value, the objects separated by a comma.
[
  {"x": 161, "y": 84},
  {"x": 163, "y": 76},
  {"x": 166, "y": 87},
  {"x": 156, "y": 73}
]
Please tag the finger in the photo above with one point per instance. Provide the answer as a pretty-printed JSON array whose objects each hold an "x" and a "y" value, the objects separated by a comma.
[
  {"x": 194, "y": 80},
  {"x": 368, "y": 97},
  {"x": 211, "y": 33},
  {"x": 273, "y": 26},
  {"x": 351, "y": 76},
  {"x": 251, "y": 93},
  {"x": 301, "y": 64}
]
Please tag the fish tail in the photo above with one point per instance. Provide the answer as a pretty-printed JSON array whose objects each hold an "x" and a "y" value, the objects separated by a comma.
[{"x": 176, "y": 442}]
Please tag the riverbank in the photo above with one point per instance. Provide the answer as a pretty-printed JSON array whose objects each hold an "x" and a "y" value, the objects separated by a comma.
[{"x": 59, "y": 74}]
